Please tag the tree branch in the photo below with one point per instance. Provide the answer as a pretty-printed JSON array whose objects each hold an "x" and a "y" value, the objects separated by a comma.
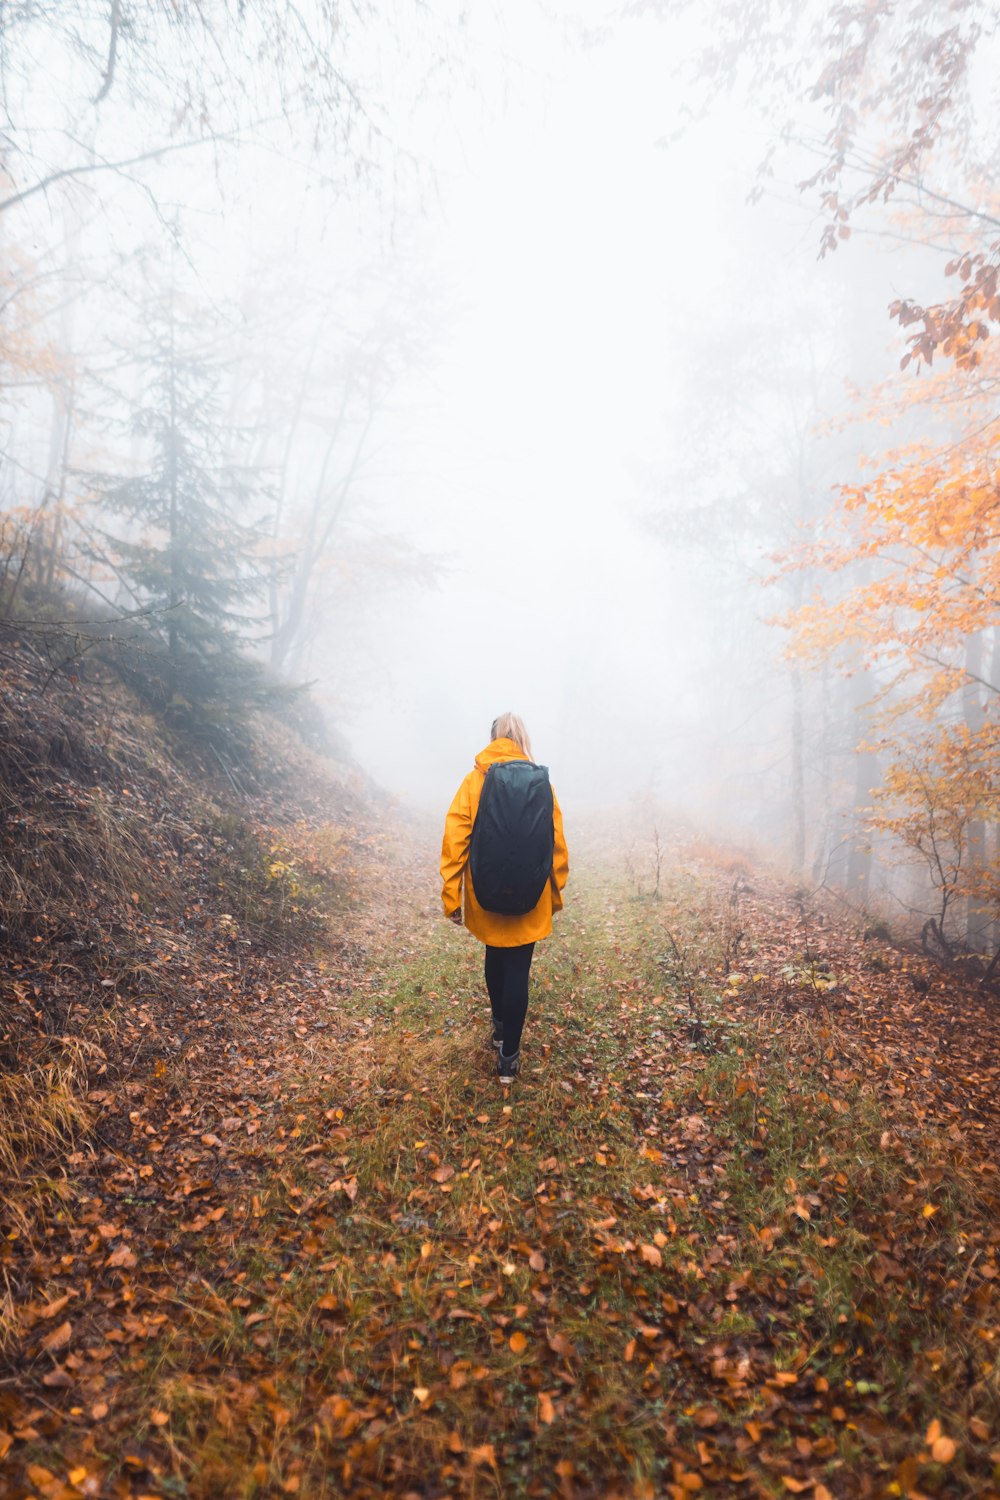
[
  {"x": 85, "y": 168},
  {"x": 109, "y": 72}
]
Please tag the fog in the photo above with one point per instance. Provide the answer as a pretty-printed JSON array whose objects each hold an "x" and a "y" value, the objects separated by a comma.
[
  {"x": 589, "y": 273},
  {"x": 523, "y": 322}
]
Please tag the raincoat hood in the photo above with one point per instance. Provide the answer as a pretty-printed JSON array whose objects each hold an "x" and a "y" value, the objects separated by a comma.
[{"x": 498, "y": 750}]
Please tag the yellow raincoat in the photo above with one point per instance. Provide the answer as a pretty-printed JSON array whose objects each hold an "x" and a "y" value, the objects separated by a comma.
[{"x": 488, "y": 926}]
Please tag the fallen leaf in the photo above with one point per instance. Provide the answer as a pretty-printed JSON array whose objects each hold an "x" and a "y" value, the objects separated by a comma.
[
  {"x": 51, "y": 1308},
  {"x": 58, "y": 1338}
]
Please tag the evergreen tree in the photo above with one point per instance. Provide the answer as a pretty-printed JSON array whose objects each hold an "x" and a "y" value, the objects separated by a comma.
[{"x": 188, "y": 543}]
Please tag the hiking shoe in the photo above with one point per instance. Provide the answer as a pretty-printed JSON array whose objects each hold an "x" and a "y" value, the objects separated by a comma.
[{"x": 508, "y": 1067}]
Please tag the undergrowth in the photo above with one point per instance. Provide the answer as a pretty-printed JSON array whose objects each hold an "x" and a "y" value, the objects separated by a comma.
[{"x": 132, "y": 876}]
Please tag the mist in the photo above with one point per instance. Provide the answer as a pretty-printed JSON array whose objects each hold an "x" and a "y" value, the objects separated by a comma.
[{"x": 521, "y": 323}]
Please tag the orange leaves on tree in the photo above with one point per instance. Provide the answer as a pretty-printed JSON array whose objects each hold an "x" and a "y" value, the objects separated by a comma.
[{"x": 911, "y": 564}]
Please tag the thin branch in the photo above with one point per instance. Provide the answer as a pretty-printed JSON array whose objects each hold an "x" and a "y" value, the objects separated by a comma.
[
  {"x": 106, "y": 166},
  {"x": 946, "y": 666},
  {"x": 109, "y": 71}
]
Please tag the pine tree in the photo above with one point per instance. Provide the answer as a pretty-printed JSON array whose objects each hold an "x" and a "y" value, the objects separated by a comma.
[{"x": 186, "y": 535}]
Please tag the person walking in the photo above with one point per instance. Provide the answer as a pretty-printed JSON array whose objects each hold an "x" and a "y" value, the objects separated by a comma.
[{"x": 504, "y": 849}]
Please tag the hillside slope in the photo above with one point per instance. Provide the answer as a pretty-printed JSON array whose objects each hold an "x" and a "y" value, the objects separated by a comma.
[{"x": 156, "y": 894}]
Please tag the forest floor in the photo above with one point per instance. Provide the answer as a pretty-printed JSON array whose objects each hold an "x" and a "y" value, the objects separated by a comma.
[{"x": 733, "y": 1230}]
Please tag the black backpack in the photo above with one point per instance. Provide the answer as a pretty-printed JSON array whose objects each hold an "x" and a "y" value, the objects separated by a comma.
[{"x": 510, "y": 852}]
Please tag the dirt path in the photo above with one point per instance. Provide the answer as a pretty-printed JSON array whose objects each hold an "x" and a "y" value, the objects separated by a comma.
[{"x": 707, "y": 1242}]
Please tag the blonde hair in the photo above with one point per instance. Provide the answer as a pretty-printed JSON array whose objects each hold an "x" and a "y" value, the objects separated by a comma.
[{"x": 511, "y": 727}]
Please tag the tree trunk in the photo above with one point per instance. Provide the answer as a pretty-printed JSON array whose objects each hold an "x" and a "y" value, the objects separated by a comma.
[
  {"x": 977, "y": 912},
  {"x": 824, "y": 815},
  {"x": 866, "y": 777},
  {"x": 994, "y": 679},
  {"x": 175, "y": 539},
  {"x": 798, "y": 775}
]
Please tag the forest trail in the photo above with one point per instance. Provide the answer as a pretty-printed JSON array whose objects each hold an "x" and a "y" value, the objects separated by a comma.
[{"x": 734, "y": 1229}]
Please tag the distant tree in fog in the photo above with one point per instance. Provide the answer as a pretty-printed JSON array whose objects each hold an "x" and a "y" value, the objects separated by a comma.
[{"x": 184, "y": 528}]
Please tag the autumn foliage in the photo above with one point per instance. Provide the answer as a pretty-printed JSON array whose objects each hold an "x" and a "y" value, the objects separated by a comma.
[{"x": 905, "y": 575}]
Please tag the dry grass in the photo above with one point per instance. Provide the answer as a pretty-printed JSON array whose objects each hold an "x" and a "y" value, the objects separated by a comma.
[
  {"x": 119, "y": 846},
  {"x": 43, "y": 1113}
]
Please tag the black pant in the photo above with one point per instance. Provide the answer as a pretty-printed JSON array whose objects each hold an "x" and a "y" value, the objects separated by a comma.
[{"x": 507, "y": 982}]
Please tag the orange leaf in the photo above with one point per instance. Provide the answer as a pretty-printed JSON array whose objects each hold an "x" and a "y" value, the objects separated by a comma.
[
  {"x": 518, "y": 1342},
  {"x": 58, "y": 1338},
  {"x": 51, "y": 1308}
]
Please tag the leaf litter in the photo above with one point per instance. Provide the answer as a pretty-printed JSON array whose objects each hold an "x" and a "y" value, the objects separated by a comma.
[{"x": 733, "y": 1230}]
